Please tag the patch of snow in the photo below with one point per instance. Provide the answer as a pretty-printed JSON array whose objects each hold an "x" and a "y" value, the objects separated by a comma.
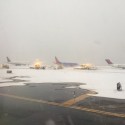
[
  {"x": 71, "y": 87},
  {"x": 102, "y": 81},
  {"x": 11, "y": 84}
]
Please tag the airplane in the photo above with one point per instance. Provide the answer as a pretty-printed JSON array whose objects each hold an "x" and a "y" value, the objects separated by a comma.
[
  {"x": 16, "y": 63},
  {"x": 122, "y": 66},
  {"x": 65, "y": 64}
]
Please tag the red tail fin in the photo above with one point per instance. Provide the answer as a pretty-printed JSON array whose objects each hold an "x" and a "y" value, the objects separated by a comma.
[
  {"x": 108, "y": 61},
  {"x": 57, "y": 61}
]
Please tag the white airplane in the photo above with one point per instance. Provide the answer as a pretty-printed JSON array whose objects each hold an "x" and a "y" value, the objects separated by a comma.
[
  {"x": 122, "y": 66},
  {"x": 65, "y": 64},
  {"x": 16, "y": 63}
]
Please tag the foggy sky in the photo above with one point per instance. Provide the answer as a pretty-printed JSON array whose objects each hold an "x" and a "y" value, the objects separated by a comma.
[{"x": 73, "y": 30}]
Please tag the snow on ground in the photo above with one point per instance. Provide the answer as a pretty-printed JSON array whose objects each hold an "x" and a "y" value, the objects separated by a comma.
[{"x": 102, "y": 81}]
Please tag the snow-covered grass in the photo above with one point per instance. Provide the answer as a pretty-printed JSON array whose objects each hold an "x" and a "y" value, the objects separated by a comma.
[{"x": 102, "y": 81}]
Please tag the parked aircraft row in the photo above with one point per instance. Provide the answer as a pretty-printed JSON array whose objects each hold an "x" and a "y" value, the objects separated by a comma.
[
  {"x": 59, "y": 65},
  {"x": 88, "y": 65}
]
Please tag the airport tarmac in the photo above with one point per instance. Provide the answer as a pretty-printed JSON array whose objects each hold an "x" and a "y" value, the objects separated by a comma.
[{"x": 58, "y": 104}]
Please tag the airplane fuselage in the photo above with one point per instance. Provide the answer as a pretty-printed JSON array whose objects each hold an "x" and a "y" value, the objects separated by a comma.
[
  {"x": 122, "y": 66},
  {"x": 69, "y": 64}
]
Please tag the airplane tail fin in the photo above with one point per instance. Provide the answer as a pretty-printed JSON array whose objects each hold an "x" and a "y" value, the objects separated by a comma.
[
  {"x": 57, "y": 61},
  {"x": 108, "y": 61},
  {"x": 8, "y": 60}
]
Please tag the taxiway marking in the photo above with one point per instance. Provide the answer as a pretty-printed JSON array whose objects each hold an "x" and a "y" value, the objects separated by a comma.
[
  {"x": 60, "y": 105},
  {"x": 77, "y": 99}
]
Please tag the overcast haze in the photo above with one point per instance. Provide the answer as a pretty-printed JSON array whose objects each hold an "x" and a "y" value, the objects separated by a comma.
[{"x": 73, "y": 30}]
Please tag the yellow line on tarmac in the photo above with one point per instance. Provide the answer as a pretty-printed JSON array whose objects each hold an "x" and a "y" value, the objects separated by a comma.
[
  {"x": 28, "y": 99},
  {"x": 77, "y": 99},
  {"x": 99, "y": 112},
  {"x": 60, "y": 105}
]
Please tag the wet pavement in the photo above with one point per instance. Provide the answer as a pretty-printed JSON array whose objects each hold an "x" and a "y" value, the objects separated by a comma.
[
  {"x": 53, "y": 92},
  {"x": 104, "y": 104},
  {"x": 31, "y": 105}
]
